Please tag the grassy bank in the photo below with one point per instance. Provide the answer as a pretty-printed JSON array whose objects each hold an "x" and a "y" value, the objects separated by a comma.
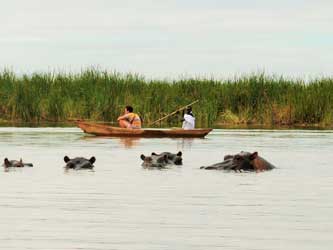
[{"x": 97, "y": 95}]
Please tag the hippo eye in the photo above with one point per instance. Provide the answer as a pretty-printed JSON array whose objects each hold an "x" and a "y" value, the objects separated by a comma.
[{"x": 238, "y": 158}]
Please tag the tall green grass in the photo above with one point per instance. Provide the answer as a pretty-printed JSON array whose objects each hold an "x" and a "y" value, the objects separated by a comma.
[{"x": 99, "y": 95}]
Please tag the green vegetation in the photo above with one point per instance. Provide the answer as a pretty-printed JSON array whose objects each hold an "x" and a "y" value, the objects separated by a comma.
[{"x": 101, "y": 96}]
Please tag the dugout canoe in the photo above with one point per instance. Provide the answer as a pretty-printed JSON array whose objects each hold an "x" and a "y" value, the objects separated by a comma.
[{"x": 106, "y": 130}]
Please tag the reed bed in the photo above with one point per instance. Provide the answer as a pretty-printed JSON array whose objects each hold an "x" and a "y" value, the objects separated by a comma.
[{"x": 101, "y": 96}]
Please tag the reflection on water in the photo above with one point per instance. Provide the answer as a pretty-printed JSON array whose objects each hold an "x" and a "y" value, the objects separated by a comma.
[
  {"x": 125, "y": 142},
  {"x": 184, "y": 143},
  {"x": 78, "y": 172},
  {"x": 129, "y": 142},
  {"x": 120, "y": 205}
]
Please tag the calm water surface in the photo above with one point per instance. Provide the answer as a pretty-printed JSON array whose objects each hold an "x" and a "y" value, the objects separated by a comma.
[{"x": 122, "y": 206}]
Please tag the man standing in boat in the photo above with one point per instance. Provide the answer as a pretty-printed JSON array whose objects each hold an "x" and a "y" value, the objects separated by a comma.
[
  {"x": 129, "y": 119},
  {"x": 188, "y": 119}
]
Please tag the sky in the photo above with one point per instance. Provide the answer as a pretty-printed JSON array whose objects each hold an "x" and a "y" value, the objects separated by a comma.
[{"x": 169, "y": 38}]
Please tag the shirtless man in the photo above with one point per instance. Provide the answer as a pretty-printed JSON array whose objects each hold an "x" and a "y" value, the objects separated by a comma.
[{"x": 129, "y": 119}]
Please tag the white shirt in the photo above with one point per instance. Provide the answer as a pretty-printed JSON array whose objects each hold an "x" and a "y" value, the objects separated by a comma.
[{"x": 189, "y": 122}]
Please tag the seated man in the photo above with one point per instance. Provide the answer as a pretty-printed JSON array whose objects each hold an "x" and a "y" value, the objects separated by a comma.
[
  {"x": 189, "y": 119},
  {"x": 129, "y": 119}
]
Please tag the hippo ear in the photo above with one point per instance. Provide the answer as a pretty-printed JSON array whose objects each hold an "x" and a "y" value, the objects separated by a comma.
[
  {"x": 6, "y": 162},
  {"x": 253, "y": 155},
  {"x": 92, "y": 160},
  {"x": 66, "y": 159},
  {"x": 179, "y": 153},
  {"x": 142, "y": 157},
  {"x": 153, "y": 153}
]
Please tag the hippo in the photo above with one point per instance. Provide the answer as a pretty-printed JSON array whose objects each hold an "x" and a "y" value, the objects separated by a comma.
[
  {"x": 154, "y": 161},
  {"x": 243, "y": 161},
  {"x": 16, "y": 164},
  {"x": 79, "y": 163},
  {"x": 175, "y": 159}
]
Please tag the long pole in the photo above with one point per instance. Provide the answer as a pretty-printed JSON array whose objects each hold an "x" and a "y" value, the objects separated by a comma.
[{"x": 174, "y": 112}]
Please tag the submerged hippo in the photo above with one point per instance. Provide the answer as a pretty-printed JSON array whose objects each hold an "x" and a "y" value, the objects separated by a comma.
[
  {"x": 161, "y": 160},
  {"x": 16, "y": 164},
  {"x": 172, "y": 158},
  {"x": 243, "y": 161},
  {"x": 79, "y": 163},
  {"x": 154, "y": 161}
]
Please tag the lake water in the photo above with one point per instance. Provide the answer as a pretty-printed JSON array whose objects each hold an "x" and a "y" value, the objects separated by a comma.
[{"x": 120, "y": 205}]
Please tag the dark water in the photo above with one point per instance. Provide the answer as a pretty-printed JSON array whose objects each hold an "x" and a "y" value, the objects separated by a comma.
[{"x": 122, "y": 206}]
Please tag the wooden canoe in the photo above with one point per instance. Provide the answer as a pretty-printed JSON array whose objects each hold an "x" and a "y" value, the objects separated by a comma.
[{"x": 105, "y": 130}]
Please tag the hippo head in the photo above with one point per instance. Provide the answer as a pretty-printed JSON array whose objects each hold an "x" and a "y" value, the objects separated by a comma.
[
  {"x": 154, "y": 161},
  {"x": 241, "y": 161},
  {"x": 17, "y": 164},
  {"x": 172, "y": 158},
  {"x": 79, "y": 162}
]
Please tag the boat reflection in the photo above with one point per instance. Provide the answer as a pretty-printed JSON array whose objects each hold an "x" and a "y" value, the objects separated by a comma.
[
  {"x": 185, "y": 143},
  {"x": 126, "y": 142},
  {"x": 129, "y": 142}
]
